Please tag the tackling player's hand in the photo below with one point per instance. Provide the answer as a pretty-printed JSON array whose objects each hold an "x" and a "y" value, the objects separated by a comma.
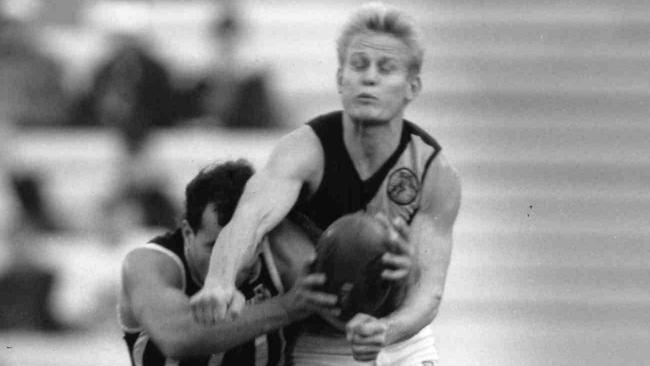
[
  {"x": 304, "y": 298},
  {"x": 399, "y": 259},
  {"x": 367, "y": 336},
  {"x": 214, "y": 303}
]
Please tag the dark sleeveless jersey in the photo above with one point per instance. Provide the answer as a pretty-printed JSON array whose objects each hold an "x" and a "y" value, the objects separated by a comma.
[
  {"x": 266, "y": 350},
  {"x": 394, "y": 189}
]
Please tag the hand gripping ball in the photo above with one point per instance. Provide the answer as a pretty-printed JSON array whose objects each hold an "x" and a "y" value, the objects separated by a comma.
[{"x": 349, "y": 254}]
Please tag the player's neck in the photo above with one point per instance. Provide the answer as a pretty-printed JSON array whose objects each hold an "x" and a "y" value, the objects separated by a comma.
[{"x": 371, "y": 144}]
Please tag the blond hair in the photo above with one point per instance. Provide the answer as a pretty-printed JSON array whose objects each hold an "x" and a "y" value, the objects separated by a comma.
[{"x": 380, "y": 18}]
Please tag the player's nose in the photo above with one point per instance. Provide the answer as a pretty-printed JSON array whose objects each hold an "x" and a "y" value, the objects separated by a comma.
[{"x": 370, "y": 75}]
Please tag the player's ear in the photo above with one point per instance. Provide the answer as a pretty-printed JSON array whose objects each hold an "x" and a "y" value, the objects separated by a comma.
[
  {"x": 187, "y": 231},
  {"x": 339, "y": 79},
  {"x": 414, "y": 87}
]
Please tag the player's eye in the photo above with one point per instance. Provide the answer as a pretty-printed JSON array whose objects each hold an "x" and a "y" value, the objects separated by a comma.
[
  {"x": 388, "y": 66},
  {"x": 358, "y": 62}
]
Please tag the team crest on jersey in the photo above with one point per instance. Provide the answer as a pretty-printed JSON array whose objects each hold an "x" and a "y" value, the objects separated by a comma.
[{"x": 403, "y": 186}]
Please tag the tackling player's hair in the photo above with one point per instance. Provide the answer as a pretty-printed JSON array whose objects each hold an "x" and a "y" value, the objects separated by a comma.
[
  {"x": 221, "y": 184},
  {"x": 380, "y": 18}
]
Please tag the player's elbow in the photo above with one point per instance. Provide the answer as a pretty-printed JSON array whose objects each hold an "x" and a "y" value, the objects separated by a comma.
[
  {"x": 186, "y": 343},
  {"x": 173, "y": 345},
  {"x": 173, "y": 341},
  {"x": 179, "y": 347},
  {"x": 175, "y": 350}
]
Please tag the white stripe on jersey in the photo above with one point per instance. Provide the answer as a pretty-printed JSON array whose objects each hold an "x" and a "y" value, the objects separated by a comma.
[
  {"x": 175, "y": 257},
  {"x": 277, "y": 282},
  {"x": 135, "y": 328},
  {"x": 270, "y": 264},
  {"x": 139, "y": 347}
]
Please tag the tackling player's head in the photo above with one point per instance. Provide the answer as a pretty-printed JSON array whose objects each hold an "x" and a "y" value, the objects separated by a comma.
[{"x": 210, "y": 201}]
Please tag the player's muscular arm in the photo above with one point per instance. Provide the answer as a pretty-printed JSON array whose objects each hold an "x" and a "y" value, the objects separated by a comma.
[
  {"x": 267, "y": 198},
  {"x": 153, "y": 289},
  {"x": 153, "y": 286},
  {"x": 431, "y": 234}
]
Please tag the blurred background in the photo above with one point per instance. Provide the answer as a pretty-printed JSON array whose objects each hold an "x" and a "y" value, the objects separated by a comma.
[{"x": 108, "y": 108}]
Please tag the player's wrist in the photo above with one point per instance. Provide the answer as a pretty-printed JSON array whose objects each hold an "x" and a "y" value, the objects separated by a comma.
[
  {"x": 221, "y": 284},
  {"x": 223, "y": 277},
  {"x": 290, "y": 311},
  {"x": 392, "y": 336}
]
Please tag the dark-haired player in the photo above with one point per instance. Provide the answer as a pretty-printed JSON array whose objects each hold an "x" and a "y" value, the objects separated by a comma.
[
  {"x": 159, "y": 278},
  {"x": 365, "y": 157}
]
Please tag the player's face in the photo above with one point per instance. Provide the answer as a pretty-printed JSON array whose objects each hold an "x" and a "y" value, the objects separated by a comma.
[
  {"x": 374, "y": 80},
  {"x": 201, "y": 241}
]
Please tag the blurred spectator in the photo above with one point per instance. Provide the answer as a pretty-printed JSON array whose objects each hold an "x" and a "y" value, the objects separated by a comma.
[
  {"x": 7, "y": 199},
  {"x": 26, "y": 291},
  {"x": 233, "y": 94},
  {"x": 131, "y": 92},
  {"x": 32, "y": 93},
  {"x": 31, "y": 96},
  {"x": 132, "y": 95},
  {"x": 35, "y": 214},
  {"x": 26, "y": 287},
  {"x": 140, "y": 199}
]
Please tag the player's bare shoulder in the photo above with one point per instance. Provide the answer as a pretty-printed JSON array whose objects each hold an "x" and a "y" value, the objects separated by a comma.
[
  {"x": 445, "y": 172},
  {"x": 442, "y": 188},
  {"x": 299, "y": 153},
  {"x": 144, "y": 267}
]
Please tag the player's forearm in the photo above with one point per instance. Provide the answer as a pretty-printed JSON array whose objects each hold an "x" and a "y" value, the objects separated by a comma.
[
  {"x": 417, "y": 311},
  {"x": 423, "y": 294},
  {"x": 255, "y": 320},
  {"x": 181, "y": 337},
  {"x": 236, "y": 246},
  {"x": 261, "y": 209}
]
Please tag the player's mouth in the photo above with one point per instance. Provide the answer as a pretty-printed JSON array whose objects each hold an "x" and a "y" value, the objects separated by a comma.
[{"x": 366, "y": 97}]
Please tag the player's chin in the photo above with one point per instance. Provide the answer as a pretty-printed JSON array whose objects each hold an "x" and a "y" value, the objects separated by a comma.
[
  {"x": 367, "y": 113},
  {"x": 366, "y": 357}
]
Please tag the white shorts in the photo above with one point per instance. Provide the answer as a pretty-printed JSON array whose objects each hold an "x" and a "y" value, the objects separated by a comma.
[{"x": 321, "y": 350}]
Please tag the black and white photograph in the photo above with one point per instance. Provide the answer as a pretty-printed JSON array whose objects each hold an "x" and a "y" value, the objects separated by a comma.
[{"x": 324, "y": 183}]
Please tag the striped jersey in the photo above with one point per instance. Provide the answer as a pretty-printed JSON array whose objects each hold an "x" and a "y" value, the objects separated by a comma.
[{"x": 265, "y": 350}]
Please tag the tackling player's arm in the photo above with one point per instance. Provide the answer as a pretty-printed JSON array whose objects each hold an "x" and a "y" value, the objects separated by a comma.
[
  {"x": 268, "y": 197},
  {"x": 152, "y": 286},
  {"x": 432, "y": 235}
]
